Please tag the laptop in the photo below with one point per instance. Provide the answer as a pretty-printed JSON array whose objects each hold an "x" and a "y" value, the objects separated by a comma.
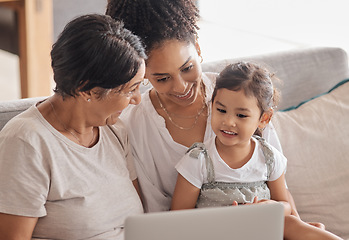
[{"x": 243, "y": 222}]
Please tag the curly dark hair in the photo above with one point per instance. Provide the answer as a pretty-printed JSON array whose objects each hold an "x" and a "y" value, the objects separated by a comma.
[{"x": 155, "y": 21}]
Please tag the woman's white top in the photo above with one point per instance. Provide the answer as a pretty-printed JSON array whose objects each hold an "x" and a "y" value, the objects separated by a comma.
[
  {"x": 156, "y": 153},
  {"x": 76, "y": 192}
]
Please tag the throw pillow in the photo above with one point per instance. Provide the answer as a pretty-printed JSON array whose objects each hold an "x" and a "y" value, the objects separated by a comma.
[{"x": 315, "y": 139}]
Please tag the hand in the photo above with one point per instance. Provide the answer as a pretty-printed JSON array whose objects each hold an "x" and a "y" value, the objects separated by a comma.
[
  {"x": 255, "y": 201},
  {"x": 263, "y": 201},
  {"x": 317, "y": 224}
]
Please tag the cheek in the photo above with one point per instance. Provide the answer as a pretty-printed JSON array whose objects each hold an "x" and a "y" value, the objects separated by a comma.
[
  {"x": 118, "y": 104},
  {"x": 214, "y": 121},
  {"x": 197, "y": 72},
  {"x": 122, "y": 104},
  {"x": 193, "y": 76}
]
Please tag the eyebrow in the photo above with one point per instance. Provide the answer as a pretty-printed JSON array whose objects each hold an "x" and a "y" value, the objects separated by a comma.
[
  {"x": 239, "y": 108},
  {"x": 161, "y": 74},
  {"x": 220, "y": 104},
  {"x": 136, "y": 83}
]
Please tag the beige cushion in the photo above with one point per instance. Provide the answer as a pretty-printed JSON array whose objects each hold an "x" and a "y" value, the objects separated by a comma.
[{"x": 315, "y": 140}]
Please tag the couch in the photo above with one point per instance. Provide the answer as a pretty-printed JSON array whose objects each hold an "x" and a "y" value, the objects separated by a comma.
[{"x": 312, "y": 124}]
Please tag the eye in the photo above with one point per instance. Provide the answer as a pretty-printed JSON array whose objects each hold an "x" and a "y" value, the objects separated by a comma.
[
  {"x": 241, "y": 116},
  {"x": 136, "y": 88},
  {"x": 187, "y": 69},
  {"x": 221, "y": 110},
  {"x": 164, "y": 79},
  {"x": 132, "y": 91}
]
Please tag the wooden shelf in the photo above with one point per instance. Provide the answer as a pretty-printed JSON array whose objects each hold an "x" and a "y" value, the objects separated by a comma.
[{"x": 35, "y": 31}]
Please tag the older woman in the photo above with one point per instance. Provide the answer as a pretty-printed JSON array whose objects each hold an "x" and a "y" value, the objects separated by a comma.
[{"x": 65, "y": 172}]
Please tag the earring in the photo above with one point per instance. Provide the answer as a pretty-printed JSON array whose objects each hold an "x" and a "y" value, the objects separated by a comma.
[
  {"x": 145, "y": 82},
  {"x": 89, "y": 99}
]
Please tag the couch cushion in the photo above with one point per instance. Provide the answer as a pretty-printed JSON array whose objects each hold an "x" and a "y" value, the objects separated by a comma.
[{"x": 315, "y": 139}]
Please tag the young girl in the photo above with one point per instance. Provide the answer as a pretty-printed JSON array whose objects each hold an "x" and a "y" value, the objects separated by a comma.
[{"x": 237, "y": 166}]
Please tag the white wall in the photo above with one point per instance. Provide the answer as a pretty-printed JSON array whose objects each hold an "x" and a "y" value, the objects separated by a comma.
[{"x": 233, "y": 28}]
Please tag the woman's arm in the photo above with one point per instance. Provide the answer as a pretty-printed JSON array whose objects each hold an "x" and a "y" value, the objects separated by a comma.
[
  {"x": 278, "y": 192},
  {"x": 14, "y": 227},
  {"x": 185, "y": 194}
]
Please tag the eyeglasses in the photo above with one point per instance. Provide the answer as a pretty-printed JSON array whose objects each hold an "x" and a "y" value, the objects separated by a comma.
[{"x": 128, "y": 94}]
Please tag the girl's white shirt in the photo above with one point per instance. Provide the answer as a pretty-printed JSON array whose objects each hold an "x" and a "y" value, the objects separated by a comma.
[
  {"x": 255, "y": 170},
  {"x": 156, "y": 153}
]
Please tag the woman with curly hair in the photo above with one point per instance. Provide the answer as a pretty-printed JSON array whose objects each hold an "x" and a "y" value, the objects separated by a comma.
[{"x": 174, "y": 113}]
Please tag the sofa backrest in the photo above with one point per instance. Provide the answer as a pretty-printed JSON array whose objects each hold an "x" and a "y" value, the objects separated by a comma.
[
  {"x": 9, "y": 109},
  {"x": 304, "y": 73}
]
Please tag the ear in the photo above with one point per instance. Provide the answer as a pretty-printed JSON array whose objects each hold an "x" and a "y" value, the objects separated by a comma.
[
  {"x": 265, "y": 118},
  {"x": 86, "y": 95}
]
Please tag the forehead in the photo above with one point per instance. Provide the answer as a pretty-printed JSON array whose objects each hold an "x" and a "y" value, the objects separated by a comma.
[
  {"x": 234, "y": 99},
  {"x": 170, "y": 54},
  {"x": 138, "y": 78}
]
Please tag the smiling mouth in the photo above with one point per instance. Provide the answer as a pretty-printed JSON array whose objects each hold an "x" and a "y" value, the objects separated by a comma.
[
  {"x": 186, "y": 95},
  {"x": 228, "y": 132}
]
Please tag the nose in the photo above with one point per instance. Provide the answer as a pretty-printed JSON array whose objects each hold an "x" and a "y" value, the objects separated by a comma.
[
  {"x": 136, "y": 98},
  {"x": 179, "y": 85},
  {"x": 229, "y": 121}
]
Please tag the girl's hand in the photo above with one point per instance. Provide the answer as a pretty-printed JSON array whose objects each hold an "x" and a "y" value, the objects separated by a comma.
[{"x": 255, "y": 201}]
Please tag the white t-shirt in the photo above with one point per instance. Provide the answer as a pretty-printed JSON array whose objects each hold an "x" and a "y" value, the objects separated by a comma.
[
  {"x": 255, "y": 170},
  {"x": 156, "y": 153},
  {"x": 77, "y": 192}
]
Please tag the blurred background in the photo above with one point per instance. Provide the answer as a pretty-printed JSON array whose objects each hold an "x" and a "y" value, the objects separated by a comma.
[{"x": 228, "y": 29}]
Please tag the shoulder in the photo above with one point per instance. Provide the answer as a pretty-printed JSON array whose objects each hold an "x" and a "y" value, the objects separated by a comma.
[
  {"x": 119, "y": 128},
  {"x": 270, "y": 152},
  {"x": 196, "y": 150},
  {"x": 262, "y": 143},
  {"x": 29, "y": 123},
  {"x": 120, "y": 132}
]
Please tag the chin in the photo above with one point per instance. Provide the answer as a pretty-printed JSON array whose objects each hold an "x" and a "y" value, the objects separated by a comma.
[{"x": 112, "y": 120}]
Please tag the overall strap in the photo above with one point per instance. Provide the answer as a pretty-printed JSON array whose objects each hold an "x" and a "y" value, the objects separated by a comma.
[
  {"x": 198, "y": 149},
  {"x": 268, "y": 154}
]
